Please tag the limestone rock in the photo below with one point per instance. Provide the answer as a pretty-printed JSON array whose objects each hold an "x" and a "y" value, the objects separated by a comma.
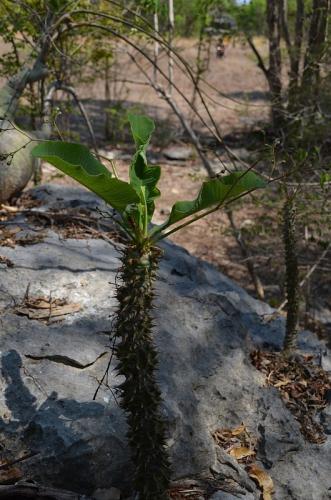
[
  {"x": 109, "y": 494},
  {"x": 179, "y": 153},
  {"x": 206, "y": 327}
]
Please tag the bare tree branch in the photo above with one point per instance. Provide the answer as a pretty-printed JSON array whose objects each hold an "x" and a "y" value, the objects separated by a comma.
[
  {"x": 308, "y": 274},
  {"x": 259, "y": 58},
  {"x": 55, "y": 86},
  {"x": 246, "y": 254},
  {"x": 170, "y": 100}
]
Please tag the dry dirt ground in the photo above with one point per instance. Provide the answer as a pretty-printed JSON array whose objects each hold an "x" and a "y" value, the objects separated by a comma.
[
  {"x": 237, "y": 77},
  {"x": 237, "y": 99},
  {"x": 235, "y": 90}
]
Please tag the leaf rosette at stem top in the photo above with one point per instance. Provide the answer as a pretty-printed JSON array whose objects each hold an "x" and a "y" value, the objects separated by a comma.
[{"x": 134, "y": 201}]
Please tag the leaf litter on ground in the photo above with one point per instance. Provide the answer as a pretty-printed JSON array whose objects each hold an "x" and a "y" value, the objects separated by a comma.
[
  {"x": 241, "y": 445},
  {"x": 304, "y": 387}
]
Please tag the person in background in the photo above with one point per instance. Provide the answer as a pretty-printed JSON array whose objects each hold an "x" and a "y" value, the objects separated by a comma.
[{"x": 220, "y": 48}]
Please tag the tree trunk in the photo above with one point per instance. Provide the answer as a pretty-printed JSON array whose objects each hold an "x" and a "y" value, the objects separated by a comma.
[
  {"x": 292, "y": 274},
  {"x": 199, "y": 62},
  {"x": 11, "y": 92},
  {"x": 275, "y": 61},
  {"x": 156, "y": 43},
  {"x": 137, "y": 362},
  {"x": 293, "y": 100},
  {"x": 171, "y": 29},
  {"x": 107, "y": 99},
  {"x": 315, "y": 51},
  {"x": 16, "y": 163}
]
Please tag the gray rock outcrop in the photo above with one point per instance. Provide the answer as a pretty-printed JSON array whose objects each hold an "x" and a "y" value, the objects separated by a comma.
[{"x": 206, "y": 328}]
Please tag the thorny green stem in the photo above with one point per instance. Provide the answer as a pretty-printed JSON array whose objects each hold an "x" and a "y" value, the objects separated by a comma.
[{"x": 137, "y": 362}]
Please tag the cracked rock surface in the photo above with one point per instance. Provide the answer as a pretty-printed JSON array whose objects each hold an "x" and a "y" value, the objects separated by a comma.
[{"x": 207, "y": 325}]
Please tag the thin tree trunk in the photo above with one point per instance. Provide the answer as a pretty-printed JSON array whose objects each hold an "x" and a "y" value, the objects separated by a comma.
[
  {"x": 33, "y": 103},
  {"x": 156, "y": 43},
  {"x": 11, "y": 92},
  {"x": 292, "y": 274},
  {"x": 107, "y": 99},
  {"x": 315, "y": 50},
  {"x": 296, "y": 57},
  {"x": 275, "y": 61},
  {"x": 171, "y": 29},
  {"x": 199, "y": 67},
  {"x": 37, "y": 176}
]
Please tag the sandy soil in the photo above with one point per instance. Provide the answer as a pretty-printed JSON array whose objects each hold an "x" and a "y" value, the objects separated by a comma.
[{"x": 235, "y": 94}]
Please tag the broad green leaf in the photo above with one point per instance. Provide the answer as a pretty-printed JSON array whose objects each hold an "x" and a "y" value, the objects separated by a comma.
[
  {"x": 76, "y": 161},
  {"x": 144, "y": 177},
  {"x": 73, "y": 154},
  {"x": 215, "y": 192},
  {"x": 142, "y": 128}
]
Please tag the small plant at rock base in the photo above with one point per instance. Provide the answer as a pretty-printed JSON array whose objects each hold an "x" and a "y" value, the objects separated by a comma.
[{"x": 136, "y": 354}]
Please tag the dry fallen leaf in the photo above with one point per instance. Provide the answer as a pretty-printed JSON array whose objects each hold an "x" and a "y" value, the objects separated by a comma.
[
  {"x": 41, "y": 308},
  {"x": 11, "y": 475},
  {"x": 303, "y": 385},
  {"x": 238, "y": 430},
  {"x": 226, "y": 434},
  {"x": 281, "y": 383},
  {"x": 263, "y": 479},
  {"x": 239, "y": 452},
  {"x": 50, "y": 312}
]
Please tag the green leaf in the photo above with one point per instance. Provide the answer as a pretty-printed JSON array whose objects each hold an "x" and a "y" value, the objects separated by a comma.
[
  {"x": 324, "y": 178},
  {"x": 215, "y": 192},
  {"x": 144, "y": 177},
  {"x": 76, "y": 161},
  {"x": 142, "y": 128}
]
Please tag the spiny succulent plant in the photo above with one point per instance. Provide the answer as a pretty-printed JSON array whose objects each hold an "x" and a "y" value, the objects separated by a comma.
[{"x": 134, "y": 202}]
